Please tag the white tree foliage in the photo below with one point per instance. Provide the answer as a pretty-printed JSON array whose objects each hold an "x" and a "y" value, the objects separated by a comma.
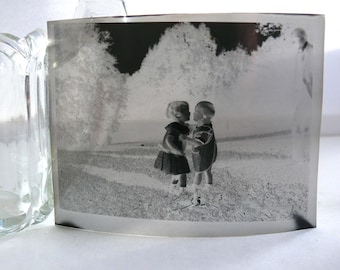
[
  {"x": 252, "y": 93},
  {"x": 183, "y": 65},
  {"x": 90, "y": 90}
]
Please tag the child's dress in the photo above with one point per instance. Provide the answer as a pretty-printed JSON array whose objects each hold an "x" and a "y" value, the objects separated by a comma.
[
  {"x": 167, "y": 161},
  {"x": 204, "y": 156}
]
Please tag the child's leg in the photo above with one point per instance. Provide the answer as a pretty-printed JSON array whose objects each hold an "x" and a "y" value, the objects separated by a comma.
[
  {"x": 207, "y": 190},
  {"x": 208, "y": 176},
  {"x": 174, "y": 179},
  {"x": 197, "y": 182},
  {"x": 182, "y": 180},
  {"x": 174, "y": 184},
  {"x": 198, "y": 178}
]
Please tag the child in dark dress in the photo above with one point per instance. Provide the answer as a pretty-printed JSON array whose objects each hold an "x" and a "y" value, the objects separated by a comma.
[
  {"x": 204, "y": 147},
  {"x": 171, "y": 158}
]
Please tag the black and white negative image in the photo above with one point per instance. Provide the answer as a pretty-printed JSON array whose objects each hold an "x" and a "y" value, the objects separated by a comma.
[{"x": 184, "y": 121}]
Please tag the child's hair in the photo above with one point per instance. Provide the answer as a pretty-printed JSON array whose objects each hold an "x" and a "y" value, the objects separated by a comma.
[
  {"x": 176, "y": 107},
  {"x": 207, "y": 107}
]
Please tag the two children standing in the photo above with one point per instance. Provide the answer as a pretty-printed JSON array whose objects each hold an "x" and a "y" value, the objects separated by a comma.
[{"x": 172, "y": 159}]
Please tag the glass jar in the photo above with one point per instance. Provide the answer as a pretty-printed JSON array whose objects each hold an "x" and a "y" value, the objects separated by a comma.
[
  {"x": 100, "y": 8},
  {"x": 26, "y": 195}
]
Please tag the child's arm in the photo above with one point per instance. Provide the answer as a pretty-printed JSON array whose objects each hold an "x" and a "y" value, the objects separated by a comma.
[
  {"x": 200, "y": 138},
  {"x": 194, "y": 142},
  {"x": 173, "y": 148}
]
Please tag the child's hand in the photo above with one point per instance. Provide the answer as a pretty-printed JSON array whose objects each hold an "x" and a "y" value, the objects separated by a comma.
[
  {"x": 181, "y": 153},
  {"x": 191, "y": 128}
]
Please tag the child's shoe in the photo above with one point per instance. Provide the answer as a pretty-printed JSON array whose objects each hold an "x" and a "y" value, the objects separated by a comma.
[
  {"x": 174, "y": 189},
  {"x": 207, "y": 187},
  {"x": 196, "y": 200}
]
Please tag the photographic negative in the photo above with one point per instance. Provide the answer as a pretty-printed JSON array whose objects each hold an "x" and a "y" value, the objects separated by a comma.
[{"x": 186, "y": 125}]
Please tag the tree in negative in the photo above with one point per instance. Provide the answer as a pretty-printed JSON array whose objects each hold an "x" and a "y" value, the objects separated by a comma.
[
  {"x": 183, "y": 65},
  {"x": 90, "y": 93}
]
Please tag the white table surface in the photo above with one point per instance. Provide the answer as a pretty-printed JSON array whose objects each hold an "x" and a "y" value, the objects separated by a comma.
[{"x": 46, "y": 246}]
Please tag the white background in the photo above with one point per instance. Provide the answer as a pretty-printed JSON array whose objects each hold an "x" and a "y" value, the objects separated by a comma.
[
  {"x": 19, "y": 17},
  {"x": 46, "y": 246}
]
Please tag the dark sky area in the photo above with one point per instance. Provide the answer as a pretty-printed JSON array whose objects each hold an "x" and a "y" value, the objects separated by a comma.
[{"x": 131, "y": 41}]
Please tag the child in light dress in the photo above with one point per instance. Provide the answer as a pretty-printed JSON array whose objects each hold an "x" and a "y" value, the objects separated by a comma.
[
  {"x": 204, "y": 147},
  {"x": 171, "y": 158}
]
